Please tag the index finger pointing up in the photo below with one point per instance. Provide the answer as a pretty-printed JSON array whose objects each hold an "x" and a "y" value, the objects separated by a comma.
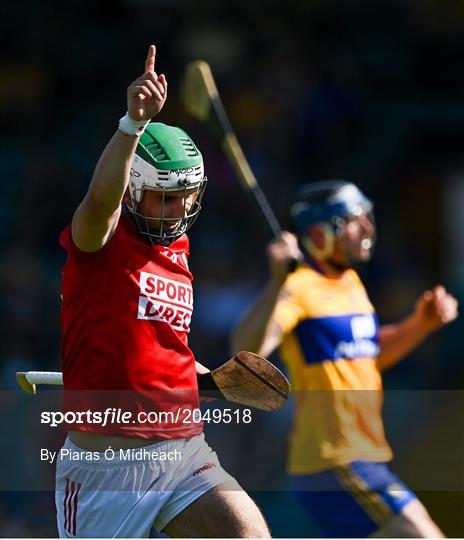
[{"x": 150, "y": 61}]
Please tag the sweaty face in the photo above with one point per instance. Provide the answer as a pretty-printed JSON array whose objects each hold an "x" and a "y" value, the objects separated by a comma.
[
  {"x": 166, "y": 210},
  {"x": 355, "y": 240}
]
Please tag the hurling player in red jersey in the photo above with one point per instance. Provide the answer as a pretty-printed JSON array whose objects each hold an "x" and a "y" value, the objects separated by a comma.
[{"x": 127, "y": 304}]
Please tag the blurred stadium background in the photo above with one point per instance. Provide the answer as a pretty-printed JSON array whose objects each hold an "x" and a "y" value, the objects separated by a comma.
[{"x": 370, "y": 90}]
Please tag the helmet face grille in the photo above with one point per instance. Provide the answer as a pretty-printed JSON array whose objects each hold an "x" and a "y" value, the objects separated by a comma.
[{"x": 157, "y": 229}]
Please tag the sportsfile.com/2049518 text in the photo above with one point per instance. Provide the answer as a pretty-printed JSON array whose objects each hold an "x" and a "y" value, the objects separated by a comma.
[{"x": 118, "y": 416}]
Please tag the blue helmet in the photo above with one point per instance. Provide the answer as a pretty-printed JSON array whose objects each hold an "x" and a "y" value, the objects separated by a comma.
[
  {"x": 328, "y": 201},
  {"x": 329, "y": 204}
]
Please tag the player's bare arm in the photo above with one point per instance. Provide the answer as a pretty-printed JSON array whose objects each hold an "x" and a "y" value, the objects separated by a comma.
[
  {"x": 97, "y": 216},
  {"x": 257, "y": 331},
  {"x": 433, "y": 310}
]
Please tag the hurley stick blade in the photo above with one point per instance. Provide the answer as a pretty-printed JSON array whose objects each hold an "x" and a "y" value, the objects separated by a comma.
[
  {"x": 198, "y": 89},
  {"x": 253, "y": 381},
  {"x": 202, "y": 100}
]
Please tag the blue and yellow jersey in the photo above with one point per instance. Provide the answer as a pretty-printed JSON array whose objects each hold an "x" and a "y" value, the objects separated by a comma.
[{"x": 330, "y": 347}]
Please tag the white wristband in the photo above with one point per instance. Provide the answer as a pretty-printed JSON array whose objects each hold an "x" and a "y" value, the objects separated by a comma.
[{"x": 132, "y": 127}]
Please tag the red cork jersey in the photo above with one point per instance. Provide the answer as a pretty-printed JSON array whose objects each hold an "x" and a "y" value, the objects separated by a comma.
[{"x": 125, "y": 316}]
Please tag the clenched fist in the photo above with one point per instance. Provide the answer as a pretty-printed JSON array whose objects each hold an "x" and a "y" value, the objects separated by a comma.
[
  {"x": 435, "y": 308},
  {"x": 147, "y": 94}
]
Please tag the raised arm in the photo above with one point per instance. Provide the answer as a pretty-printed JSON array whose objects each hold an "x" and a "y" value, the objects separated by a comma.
[
  {"x": 433, "y": 310},
  {"x": 257, "y": 331},
  {"x": 97, "y": 216}
]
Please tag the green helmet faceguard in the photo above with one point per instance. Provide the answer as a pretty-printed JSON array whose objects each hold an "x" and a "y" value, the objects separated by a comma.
[{"x": 166, "y": 160}]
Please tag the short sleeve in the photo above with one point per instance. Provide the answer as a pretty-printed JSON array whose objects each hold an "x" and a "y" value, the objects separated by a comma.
[
  {"x": 289, "y": 310},
  {"x": 80, "y": 266},
  {"x": 67, "y": 243}
]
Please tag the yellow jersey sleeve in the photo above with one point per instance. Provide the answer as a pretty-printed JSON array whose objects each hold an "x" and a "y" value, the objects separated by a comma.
[{"x": 290, "y": 309}]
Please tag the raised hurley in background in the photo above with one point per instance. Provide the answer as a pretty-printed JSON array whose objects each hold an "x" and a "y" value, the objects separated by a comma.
[{"x": 201, "y": 99}]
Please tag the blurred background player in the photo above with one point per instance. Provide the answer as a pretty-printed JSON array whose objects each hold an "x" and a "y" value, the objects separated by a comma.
[
  {"x": 127, "y": 304},
  {"x": 335, "y": 352}
]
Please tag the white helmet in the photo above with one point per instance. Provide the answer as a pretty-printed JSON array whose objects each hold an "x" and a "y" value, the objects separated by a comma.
[{"x": 166, "y": 159}]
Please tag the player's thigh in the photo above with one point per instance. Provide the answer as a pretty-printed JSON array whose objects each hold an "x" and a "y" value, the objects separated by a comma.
[
  {"x": 412, "y": 522},
  {"x": 224, "y": 511}
]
